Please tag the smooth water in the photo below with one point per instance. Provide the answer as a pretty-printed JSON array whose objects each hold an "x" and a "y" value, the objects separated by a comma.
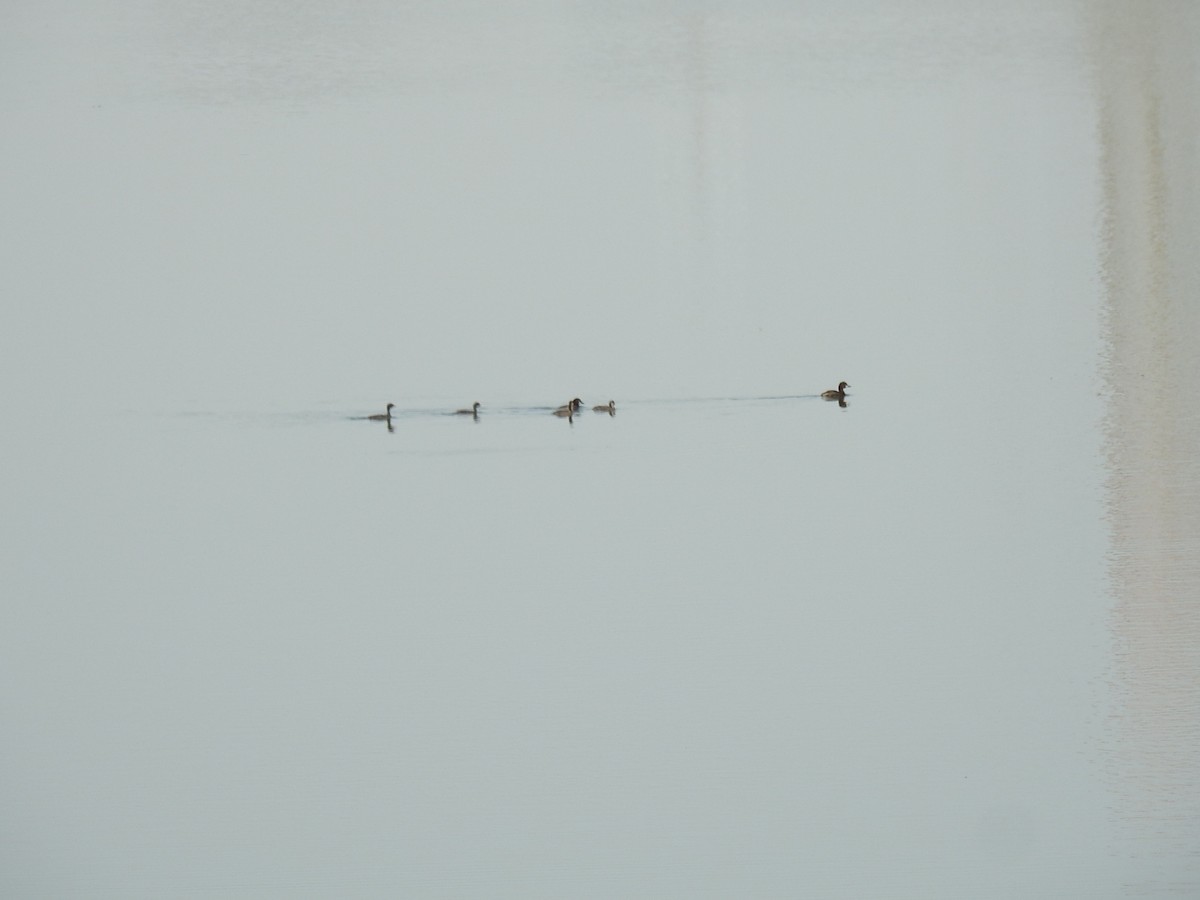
[{"x": 734, "y": 640}]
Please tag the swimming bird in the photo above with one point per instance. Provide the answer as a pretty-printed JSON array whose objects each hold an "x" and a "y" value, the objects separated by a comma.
[
  {"x": 473, "y": 411},
  {"x": 569, "y": 409},
  {"x": 383, "y": 417},
  {"x": 610, "y": 408},
  {"x": 839, "y": 394}
]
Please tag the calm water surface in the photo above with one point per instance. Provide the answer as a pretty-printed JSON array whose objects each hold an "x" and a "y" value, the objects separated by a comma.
[{"x": 734, "y": 640}]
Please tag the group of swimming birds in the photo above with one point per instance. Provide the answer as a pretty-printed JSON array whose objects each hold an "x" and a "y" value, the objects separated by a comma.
[{"x": 571, "y": 408}]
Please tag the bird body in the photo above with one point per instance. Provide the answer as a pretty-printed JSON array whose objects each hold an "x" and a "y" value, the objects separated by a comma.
[
  {"x": 839, "y": 394},
  {"x": 383, "y": 417}
]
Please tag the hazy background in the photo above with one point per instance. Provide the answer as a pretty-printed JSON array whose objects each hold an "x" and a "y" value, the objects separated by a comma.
[{"x": 734, "y": 640}]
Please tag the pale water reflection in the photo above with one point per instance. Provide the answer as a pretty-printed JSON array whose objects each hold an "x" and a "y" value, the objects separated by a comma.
[
  {"x": 731, "y": 640},
  {"x": 1147, "y": 77}
]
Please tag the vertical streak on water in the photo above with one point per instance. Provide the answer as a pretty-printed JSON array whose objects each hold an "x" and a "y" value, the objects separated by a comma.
[
  {"x": 693, "y": 95},
  {"x": 1147, "y": 84},
  {"x": 707, "y": 104},
  {"x": 697, "y": 85}
]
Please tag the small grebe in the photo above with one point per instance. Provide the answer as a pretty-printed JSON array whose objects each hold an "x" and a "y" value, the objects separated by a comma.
[
  {"x": 610, "y": 408},
  {"x": 839, "y": 394},
  {"x": 383, "y": 417},
  {"x": 473, "y": 411},
  {"x": 569, "y": 409}
]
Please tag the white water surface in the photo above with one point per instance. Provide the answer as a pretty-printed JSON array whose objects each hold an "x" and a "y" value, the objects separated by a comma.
[{"x": 734, "y": 640}]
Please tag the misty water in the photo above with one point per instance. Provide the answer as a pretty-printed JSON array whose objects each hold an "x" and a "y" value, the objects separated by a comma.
[{"x": 733, "y": 640}]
